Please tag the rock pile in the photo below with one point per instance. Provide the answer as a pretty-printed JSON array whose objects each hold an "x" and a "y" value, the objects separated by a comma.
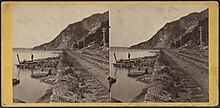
[
  {"x": 48, "y": 62},
  {"x": 77, "y": 86},
  {"x": 165, "y": 84},
  {"x": 18, "y": 101},
  {"x": 144, "y": 62},
  {"x": 162, "y": 87}
]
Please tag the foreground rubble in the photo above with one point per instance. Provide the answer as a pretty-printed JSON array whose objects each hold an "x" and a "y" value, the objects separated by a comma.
[
  {"x": 166, "y": 82},
  {"x": 73, "y": 84}
]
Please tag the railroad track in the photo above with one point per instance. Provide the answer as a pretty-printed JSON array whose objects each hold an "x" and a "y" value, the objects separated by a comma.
[
  {"x": 102, "y": 64},
  {"x": 197, "y": 62},
  {"x": 198, "y": 54},
  {"x": 96, "y": 59},
  {"x": 101, "y": 90},
  {"x": 194, "y": 58},
  {"x": 194, "y": 90}
]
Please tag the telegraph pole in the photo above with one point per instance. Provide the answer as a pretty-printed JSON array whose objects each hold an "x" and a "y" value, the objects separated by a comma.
[
  {"x": 200, "y": 33},
  {"x": 181, "y": 41},
  {"x": 103, "y": 31},
  {"x": 84, "y": 42},
  {"x": 175, "y": 44}
]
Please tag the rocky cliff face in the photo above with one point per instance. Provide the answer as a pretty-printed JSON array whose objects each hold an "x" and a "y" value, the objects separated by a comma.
[
  {"x": 87, "y": 32},
  {"x": 186, "y": 27}
]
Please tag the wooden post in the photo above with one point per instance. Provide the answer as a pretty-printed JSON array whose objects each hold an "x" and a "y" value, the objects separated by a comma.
[
  {"x": 115, "y": 58},
  {"x": 18, "y": 59}
]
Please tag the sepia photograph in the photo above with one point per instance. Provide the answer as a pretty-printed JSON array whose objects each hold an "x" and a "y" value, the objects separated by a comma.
[
  {"x": 159, "y": 53},
  {"x": 60, "y": 53},
  {"x": 109, "y": 54}
]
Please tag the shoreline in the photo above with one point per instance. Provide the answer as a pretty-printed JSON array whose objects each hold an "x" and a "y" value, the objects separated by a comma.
[
  {"x": 42, "y": 75},
  {"x": 163, "y": 82},
  {"x": 171, "y": 82},
  {"x": 73, "y": 79}
]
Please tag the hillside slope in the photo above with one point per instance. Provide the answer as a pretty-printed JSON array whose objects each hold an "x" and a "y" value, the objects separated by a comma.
[
  {"x": 186, "y": 27},
  {"x": 80, "y": 34}
]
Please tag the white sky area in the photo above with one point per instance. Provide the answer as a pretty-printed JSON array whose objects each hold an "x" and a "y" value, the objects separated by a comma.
[
  {"x": 132, "y": 24},
  {"x": 34, "y": 25}
]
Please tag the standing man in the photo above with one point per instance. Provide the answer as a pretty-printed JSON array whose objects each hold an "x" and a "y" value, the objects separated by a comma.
[
  {"x": 146, "y": 71},
  {"x": 50, "y": 71},
  {"x": 32, "y": 57},
  {"x": 129, "y": 56},
  {"x": 18, "y": 59}
]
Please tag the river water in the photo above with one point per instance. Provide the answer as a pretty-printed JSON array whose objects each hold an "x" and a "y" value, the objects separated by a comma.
[
  {"x": 126, "y": 88},
  {"x": 29, "y": 89}
]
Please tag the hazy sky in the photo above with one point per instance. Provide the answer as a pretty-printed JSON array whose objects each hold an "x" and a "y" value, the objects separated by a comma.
[
  {"x": 132, "y": 24},
  {"x": 33, "y": 25}
]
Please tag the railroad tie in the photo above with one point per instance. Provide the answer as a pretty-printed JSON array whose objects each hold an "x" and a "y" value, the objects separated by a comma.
[
  {"x": 103, "y": 97},
  {"x": 96, "y": 87},
  {"x": 190, "y": 85},
  {"x": 101, "y": 94},
  {"x": 89, "y": 77},
  {"x": 196, "y": 89},
  {"x": 186, "y": 80},
  {"x": 95, "y": 84},
  {"x": 91, "y": 80},
  {"x": 183, "y": 76},
  {"x": 101, "y": 90},
  {"x": 196, "y": 92},
  {"x": 202, "y": 100}
]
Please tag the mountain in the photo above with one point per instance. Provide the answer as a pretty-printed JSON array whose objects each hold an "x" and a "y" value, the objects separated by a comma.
[
  {"x": 85, "y": 33},
  {"x": 186, "y": 27}
]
